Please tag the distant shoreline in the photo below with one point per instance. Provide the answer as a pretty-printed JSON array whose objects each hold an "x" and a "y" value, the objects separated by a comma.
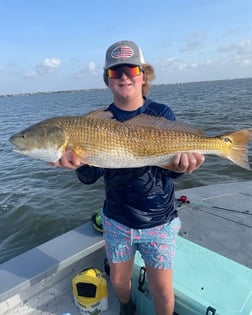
[{"x": 99, "y": 89}]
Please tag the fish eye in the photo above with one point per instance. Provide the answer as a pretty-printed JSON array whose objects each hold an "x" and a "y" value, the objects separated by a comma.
[{"x": 226, "y": 139}]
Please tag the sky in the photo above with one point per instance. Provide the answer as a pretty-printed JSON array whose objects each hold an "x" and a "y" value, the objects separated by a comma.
[{"x": 60, "y": 45}]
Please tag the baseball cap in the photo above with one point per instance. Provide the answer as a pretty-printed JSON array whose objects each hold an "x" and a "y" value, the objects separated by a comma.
[{"x": 123, "y": 52}]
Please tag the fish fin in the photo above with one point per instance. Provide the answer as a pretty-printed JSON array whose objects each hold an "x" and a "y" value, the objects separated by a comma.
[
  {"x": 237, "y": 151},
  {"x": 144, "y": 120},
  {"x": 101, "y": 113},
  {"x": 80, "y": 154}
]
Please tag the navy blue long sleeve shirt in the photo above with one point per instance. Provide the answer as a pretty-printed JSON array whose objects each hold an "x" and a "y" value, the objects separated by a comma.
[{"x": 137, "y": 197}]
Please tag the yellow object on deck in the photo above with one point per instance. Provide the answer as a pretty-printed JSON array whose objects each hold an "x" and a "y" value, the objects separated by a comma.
[{"x": 90, "y": 292}]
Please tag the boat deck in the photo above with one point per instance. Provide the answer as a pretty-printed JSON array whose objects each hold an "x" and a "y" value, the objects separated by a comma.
[
  {"x": 40, "y": 280},
  {"x": 218, "y": 217}
]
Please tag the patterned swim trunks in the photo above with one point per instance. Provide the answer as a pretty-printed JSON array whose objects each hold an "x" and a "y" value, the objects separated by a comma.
[{"x": 156, "y": 244}]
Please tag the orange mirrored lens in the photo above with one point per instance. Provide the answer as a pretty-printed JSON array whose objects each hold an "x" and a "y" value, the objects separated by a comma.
[{"x": 130, "y": 71}]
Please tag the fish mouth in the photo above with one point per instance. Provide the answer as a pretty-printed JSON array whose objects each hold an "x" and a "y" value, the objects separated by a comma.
[{"x": 13, "y": 141}]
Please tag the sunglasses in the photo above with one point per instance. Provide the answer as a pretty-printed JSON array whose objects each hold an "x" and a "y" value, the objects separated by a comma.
[{"x": 129, "y": 70}]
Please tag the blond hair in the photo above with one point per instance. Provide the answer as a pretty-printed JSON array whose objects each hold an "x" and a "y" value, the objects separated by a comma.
[{"x": 148, "y": 74}]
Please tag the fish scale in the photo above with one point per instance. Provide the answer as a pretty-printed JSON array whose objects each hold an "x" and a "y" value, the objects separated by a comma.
[{"x": 102, "y": 141}]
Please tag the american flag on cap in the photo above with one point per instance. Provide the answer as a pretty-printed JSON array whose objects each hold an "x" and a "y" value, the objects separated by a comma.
[{"x": 122, "y": 52}]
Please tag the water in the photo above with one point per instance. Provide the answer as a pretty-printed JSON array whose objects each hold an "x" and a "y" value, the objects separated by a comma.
[{"x": 39, "y": 202}]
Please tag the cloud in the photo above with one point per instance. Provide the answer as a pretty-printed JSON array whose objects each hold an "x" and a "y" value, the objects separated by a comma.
[
  {"x": 194, "y": 65},
  {"x": 92, "y": 66},
  {"x": 196, "y": 42},
  {"x": 237, "y": 55},
  {"x": 177, "y": 64},
  {"x": 89, "y": 69},
  {"x": 241, "y": 47},
  {"x": 31, "y": 73},
  {"x": 48, "y": 65},
  {"x": 239, "y": 52}
]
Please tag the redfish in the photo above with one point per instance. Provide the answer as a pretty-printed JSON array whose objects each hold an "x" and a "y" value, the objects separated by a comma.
[{"x": 99, "y": 140}]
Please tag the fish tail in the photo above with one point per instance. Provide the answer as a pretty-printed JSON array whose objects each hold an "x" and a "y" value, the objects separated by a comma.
[{"x": 237, "y": 147}]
